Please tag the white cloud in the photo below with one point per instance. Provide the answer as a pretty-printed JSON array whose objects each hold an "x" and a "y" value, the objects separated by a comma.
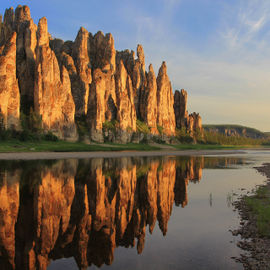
[{"x": 242, "y": 25}]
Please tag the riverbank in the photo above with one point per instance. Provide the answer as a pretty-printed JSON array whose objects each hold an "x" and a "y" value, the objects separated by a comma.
[
  {"x": 15, "y": 146},
  {"x": 112, "y": 154},
  {"x": 254, "y": 212}
]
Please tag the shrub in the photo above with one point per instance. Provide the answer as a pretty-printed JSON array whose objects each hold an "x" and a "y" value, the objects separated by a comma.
[
  {"x": 142, "y": 127},
  {"x": 158, "y": 139},
  {"x": 198, "y": 135},
  {"x": 5, "y": 134},
  {"x": 110, "y": 125},
  {"x": 34, "y": 121},
  {"x": 2, "y": 121},
  {"x": 160, "y": 129},
  {"x": 183, "y": 136},
  {"x": 31, "y": 122},
  {"x": 82, "y": 126},
  {"x": 50, "y": 137},
  {"x": 26, "y": 135}
]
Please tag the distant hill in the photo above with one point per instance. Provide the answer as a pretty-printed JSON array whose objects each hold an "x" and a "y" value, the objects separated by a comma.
[{"x": 237, "y": 130}]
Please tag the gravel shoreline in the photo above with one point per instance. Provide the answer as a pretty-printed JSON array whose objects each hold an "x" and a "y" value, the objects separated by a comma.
[{"x": 256, "y": 247}]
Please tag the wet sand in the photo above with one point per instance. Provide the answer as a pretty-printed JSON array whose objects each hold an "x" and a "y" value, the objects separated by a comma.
[{"x": 112, "y": 154}]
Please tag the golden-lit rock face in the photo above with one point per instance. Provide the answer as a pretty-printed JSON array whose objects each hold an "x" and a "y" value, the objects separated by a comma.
[
  {"x": 102, "y": 103},
  {"x": 52, "y": 92},
  {"x": 81, "y": 78},
  {"x": 191, "y": 122},
  {"x": 148, "y": 105},
  {"x": 87, "y": 208},
  {"x": 40, "y": 83},
  {"x": 165, "y": 101},
  {"x": 126, "y": 113},
  {"x": 180, "y": 108},
  {"x": 194, "y": 123},
  {"x": 87, "y": 80},
  {"x": 26, "y": 55},
  {"x": 9, "y": 89}
]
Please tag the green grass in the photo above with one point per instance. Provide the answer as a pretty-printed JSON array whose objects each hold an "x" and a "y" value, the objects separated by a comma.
[
  {"x": 63, "y": 146},
  {"x": 15, "y": 145},
  {"x": 260, "y": 207}
]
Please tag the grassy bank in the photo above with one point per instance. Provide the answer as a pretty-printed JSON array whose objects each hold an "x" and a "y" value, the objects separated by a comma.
[
  {"x": 63, "y": 146},
  {"x": 15, "y": 145},
  {"x": 259, "y": 205}
]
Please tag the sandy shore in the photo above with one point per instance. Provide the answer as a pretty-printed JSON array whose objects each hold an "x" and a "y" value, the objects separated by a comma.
[{"x": 111, "y": 154}]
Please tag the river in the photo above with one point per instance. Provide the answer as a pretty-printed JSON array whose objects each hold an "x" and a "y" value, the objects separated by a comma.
[{"x": 124, "y": 213}]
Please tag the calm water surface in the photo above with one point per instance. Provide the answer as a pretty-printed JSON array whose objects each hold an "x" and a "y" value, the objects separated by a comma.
[{"x": 125, "y": 213}]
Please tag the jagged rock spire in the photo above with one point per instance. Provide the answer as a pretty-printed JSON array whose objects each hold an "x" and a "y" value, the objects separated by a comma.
[
  {"x": 9, "y": 88},
  {"x": 180, "y": 108},
  {"x": 165, "y": 101},
  {"x": 55, "y": 77},
  {"x": 148, "y": 104}
]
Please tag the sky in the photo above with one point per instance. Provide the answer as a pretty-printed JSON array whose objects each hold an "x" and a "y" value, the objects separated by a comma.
[{"x": 218, "y": 50}]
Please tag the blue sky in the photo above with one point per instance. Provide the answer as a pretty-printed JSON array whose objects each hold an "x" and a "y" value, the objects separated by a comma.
[{"x": 218, "y": 50}]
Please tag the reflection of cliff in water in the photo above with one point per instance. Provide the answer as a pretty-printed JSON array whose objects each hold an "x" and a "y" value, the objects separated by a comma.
[{"x": 84, "y": 209}]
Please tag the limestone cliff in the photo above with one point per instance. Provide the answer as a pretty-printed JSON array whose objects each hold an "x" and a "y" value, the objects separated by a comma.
[
  {"x": 32, "y": 76},
  {"x": 126, "y": 113},
  {"x": 102, "y": 103},
  {"x": 148, "y": 104},
  {"x": 9, "y": 88},
  {"x": 165, "y": 101},
  {"x": 180, "y": 108},
  {"x": 84, "y": 80},
  {"x": 52, "y": 91},
  {"x": 81, "y": 78},
  {"x": 191, "y": 122},
  {"x": 26, "y": 55}
]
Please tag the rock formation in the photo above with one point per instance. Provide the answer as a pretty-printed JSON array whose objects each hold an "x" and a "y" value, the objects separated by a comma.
[
  {"x": 190, "y": 122},
  {"x": 9, "y": 89},
  {"x": 180, "y": 108},
  {"x": 102, "y": 103},
  {"x": 194, "y": 123},
  {"x": 26, "y": 55},
  {"x": 85, "y": 80},
  {"x": 126, "y": 113},
  {"x": 52, "y": 92},
  {"x": 81, "y": 78},
  {"x": 165, "y": 101},
  {"x": 139, "y": 79},
  {"x": 148, "y": 104},
  {"x": 102, "y": 52}
]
